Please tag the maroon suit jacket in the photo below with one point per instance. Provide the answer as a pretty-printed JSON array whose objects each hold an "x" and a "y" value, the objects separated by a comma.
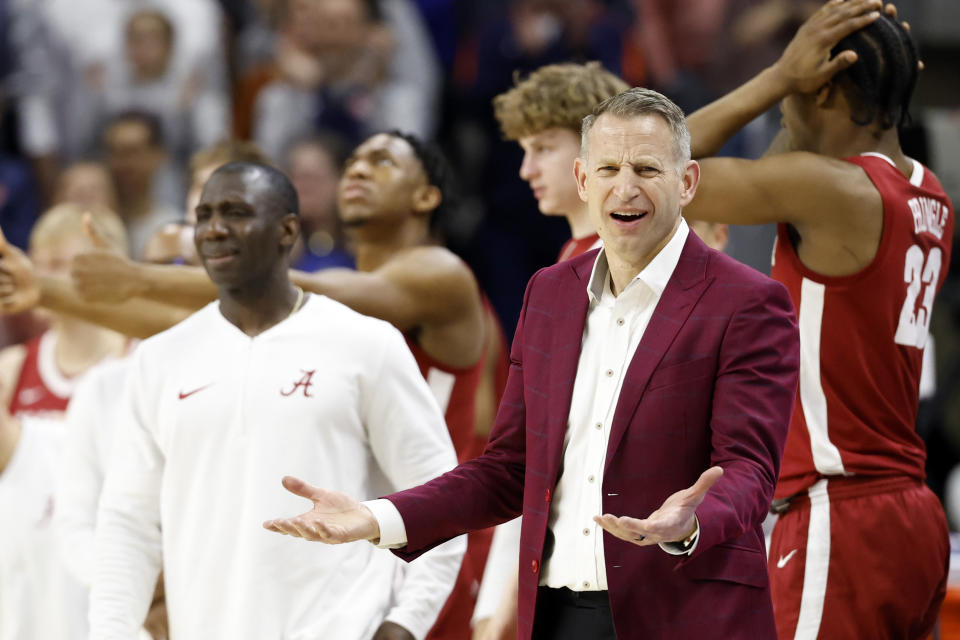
[{"x": 711, "y": 383}]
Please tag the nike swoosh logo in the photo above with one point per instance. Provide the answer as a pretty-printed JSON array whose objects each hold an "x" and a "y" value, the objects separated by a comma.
[
  {"x": 783, "y": 560},
  {"x": 185, "y": 395}
]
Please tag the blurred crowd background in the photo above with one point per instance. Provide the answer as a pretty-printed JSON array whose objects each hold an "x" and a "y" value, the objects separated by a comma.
[{"x": 104, "y": 101}]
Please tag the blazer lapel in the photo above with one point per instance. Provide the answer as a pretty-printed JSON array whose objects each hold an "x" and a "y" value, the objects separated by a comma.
[
  {"x": 567, "y": 339},
  {"x": 684, "y": 289}
]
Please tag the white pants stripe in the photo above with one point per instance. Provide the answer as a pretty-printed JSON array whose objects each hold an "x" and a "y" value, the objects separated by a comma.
[{"x": 817, "y": 564}]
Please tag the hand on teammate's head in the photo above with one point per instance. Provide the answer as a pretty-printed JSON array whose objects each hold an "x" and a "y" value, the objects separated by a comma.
[{"x": 806, "y": 64}]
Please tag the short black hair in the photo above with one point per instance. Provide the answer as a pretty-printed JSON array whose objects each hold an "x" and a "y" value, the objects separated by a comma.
[
  {"x": 880, "y": 84},
  {"x": 149, "y": 120},
  {"x": 439, "y": 174},
  {"x": 278, "y": 184}
]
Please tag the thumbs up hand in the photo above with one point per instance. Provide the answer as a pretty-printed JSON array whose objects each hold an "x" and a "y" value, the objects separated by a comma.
[
  {"x": 19, "y": 290},
  {"x": 104, "y": 274}
]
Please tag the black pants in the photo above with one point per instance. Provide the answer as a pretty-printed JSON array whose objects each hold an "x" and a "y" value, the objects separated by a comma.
[{"x": 570, "y": 615}]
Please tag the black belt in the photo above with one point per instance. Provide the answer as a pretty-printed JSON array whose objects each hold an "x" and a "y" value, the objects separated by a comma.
[
  {"x": 781, "y": 505},
  {"x": 577, "y": 598}
]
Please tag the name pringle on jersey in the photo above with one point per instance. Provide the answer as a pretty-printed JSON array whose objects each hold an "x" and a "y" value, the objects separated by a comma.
[{"x": 929, "y": 215}]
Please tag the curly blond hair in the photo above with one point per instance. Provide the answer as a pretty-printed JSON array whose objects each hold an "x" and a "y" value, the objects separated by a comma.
[{"x": 557, "y": 95}]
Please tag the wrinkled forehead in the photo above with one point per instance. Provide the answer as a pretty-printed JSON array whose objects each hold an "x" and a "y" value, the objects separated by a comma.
[
  {"x": 615, "y": 136},
  {"x": 232, "y": 186},
  {"x": 385, "y": 144}
]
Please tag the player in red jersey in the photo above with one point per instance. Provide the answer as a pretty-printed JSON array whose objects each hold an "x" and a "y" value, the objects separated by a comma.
[
  {"x": 543, "y": 113},
  {"x": 38, "y": 377},
  {"x": 393, "y": 193},
  {"x": 38, "y": 598},
  {"x": 860, "y": 549}
]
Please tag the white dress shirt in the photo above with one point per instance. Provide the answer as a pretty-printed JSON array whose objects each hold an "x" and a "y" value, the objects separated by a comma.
[
  {"x": 213, "y": 420},
  {"x": 614, "y": 327}
]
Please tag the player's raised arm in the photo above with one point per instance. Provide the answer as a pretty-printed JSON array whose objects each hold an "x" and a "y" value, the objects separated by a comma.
[{"x": 805, "y": 65}]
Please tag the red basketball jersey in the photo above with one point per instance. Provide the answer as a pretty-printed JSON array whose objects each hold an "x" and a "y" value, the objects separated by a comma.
[
  {"x": 573, "y": 247},
  {"x": 456, "y": 390},
  {"x": 862, "y": 338},
  {"x": 41, "y": 388}
]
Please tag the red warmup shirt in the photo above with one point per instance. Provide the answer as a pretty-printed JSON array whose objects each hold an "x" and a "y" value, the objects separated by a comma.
[
  {"x": 578, "y": 246},
  {"x": 41, "y": 389},
  {"x": 862, "y": 338}
]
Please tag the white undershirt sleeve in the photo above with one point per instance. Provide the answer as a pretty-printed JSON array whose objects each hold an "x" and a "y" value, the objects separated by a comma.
[
  {"x": 128, "y": 543},
  {"x": 409, "y": 439},
  {"x": 676, "y": 548},
  {"x": 500, "y": 570}
]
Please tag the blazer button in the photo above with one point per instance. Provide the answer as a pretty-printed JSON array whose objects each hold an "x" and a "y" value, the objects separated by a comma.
[
  {"x": 534, "y": 566},
  {"x": 546, "y": 496}
]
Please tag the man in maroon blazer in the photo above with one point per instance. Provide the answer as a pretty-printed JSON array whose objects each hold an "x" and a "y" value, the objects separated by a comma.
[{"x": 653, "y": 379}]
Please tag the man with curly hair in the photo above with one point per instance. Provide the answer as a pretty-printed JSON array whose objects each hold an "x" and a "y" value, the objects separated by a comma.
[{"x": 543, "y": 113}]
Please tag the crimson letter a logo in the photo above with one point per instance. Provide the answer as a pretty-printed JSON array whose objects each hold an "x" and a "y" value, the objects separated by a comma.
[{"x": 305, "y": 382}]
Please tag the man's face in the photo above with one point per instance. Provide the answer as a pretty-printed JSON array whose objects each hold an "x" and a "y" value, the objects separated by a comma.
[
  {"x": 633, "y": 186},
  {"x": 328, "y": 26},
  {"x": 130, "y": 155},
  {"x": 54, "y": 258},
  {"x": 547, "y": 167},
  {"x": 238, "y": 233},
  {"x": 314, "y": 175},
  {"x": 148, "y": 46},
  {"x": 88, "y": 185},
  {"x": 379, "y": 182}
]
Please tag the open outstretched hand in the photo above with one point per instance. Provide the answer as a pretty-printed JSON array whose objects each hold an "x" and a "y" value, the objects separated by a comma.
[
  {"x": 805, "y": 64},
  {"x": 334, "y": 519},
  {"x": 672, "y": 522}
]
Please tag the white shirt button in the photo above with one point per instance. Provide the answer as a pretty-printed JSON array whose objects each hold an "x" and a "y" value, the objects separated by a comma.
[
  {"x": 586, "y": 585},
  {"x": 590, "y": 478},
  {"x": 586, "y": 531},
  {"x": 609, "y": 373},
  {"x": 619, "y": 322},
  {"x": 599, "y": 425}
]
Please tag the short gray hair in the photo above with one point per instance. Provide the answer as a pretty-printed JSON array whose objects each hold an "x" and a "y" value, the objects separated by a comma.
[{"x": 638, "y": 102}]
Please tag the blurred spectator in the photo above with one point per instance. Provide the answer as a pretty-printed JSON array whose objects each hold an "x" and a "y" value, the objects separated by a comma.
[
  {"x": 314, "y": 168},
  {"x": 532, "y": 33},
  {"x": 148, "y": 192},
  {"x": 26, "y": 89},
  {"x": 19, "y": 202},
  {"x": 353, "y": 66},
  {"x": 678, "y": 38},
  {"x": 87, "y": 184},
  {"x": 190, "y": 101},
  {"x": 88, "y": 38},
  {"x": 521, "y": 37}
]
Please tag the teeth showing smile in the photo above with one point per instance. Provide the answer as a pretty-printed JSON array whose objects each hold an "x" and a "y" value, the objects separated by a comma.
[{"x": 626, "y": 216}]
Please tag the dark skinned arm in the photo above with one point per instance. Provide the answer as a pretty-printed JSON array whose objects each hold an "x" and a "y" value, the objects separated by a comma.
[{"x": 804, "y": 67}]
